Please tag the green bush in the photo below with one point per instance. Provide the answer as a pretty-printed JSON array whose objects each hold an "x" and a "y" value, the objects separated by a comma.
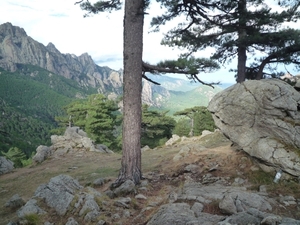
[{"x": 17, "y": 157}]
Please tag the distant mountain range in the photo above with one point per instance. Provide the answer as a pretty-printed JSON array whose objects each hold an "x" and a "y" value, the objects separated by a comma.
[{"x": 37, "y": 81}]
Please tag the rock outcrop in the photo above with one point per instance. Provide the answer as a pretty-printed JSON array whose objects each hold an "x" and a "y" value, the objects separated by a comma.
[
  {"x": 74, "y": 139},
  {"x": 236, "y": 205},
  {"x": 263, "y": 118},
  {"x": 5, "y": 165},
  {"x": 154, "y": 95}
]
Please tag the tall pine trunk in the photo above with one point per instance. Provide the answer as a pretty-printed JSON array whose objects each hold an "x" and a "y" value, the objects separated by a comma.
[
  {"x": 132, "y": 92},
  {"x": 242, "y": 55}
]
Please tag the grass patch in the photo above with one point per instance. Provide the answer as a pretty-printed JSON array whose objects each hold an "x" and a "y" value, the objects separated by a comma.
[
  {"x": 107, "y": 172},
  {"x": 285, "y": 187},
  {"x": 32, "y": 219},
  {"x": 260, "y": 177}
]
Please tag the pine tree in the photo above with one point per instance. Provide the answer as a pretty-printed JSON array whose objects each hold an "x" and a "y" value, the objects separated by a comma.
[
  {"x": 156, "y": 127},
  {"x": 16, "y": 156},
  {"x": 97, "y": 116},
  {"x": 235, "y": 29},
  {"x": 134, "y": 70},
  {"x": 200, "y": 119}
]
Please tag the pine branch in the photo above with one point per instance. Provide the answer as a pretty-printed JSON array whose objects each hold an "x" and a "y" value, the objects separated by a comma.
[
  {"x": 148, "y": 79},
  {"x": 156, "y": 70}
]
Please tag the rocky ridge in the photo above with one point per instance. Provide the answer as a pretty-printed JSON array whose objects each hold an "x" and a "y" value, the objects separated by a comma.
[{"x": 16, "y": 47}]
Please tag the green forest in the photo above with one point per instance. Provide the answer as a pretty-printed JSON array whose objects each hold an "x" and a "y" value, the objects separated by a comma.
[
  {"x": 36, "y": 103},
  {"x": 30, "y": 98}
]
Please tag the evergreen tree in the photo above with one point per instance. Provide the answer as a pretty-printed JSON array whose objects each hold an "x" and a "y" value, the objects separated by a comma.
[
  {"x": 97, "y": 116},
  {"x": 200, "y": 119},
  {"x": 102, "y": 120},
  {"x": 203, "y": 121},
  {"x": 16, "y": 156},
  {"x": 235, "y": 29},
  {"x": 156, "y": 127},
  {"x": 134, "y": 71},
  {"x": 182, "y": 127},
  {"x": 77, "y": 113}
]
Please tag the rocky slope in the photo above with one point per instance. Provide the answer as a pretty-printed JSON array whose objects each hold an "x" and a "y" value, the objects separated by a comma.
[{"x": 200, "y": 180}]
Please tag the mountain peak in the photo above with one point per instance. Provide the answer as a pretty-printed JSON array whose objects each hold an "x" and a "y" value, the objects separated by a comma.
[
  {"x": 8, "y": 29},
  {"x": 51, "y": 47},
  {"x": 18, "y": 48}
]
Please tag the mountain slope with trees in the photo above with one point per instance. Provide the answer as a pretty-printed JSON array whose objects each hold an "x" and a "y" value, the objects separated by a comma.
[
  {"x": 32, "y": 95},
  {"x": 30, "y": 99}
]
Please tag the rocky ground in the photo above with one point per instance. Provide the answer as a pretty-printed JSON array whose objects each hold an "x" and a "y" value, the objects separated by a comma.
[{"x": 201, "y": 180}]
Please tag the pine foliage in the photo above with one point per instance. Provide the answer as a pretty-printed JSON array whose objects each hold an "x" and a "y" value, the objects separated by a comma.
[
  {"x": 157, "y": 127},
  {"x": 234, "y": 28},
  {"x": 17, "y": 157},
  {"x": 98, "y": 116},
  {"x": 199, "y": 119}
]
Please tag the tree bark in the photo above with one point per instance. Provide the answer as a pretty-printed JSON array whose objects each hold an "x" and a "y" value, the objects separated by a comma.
[
  {"x": 242, "y": 57},
  {"x": 191, "y": 134},
  {"x": 132, "y": 92}
]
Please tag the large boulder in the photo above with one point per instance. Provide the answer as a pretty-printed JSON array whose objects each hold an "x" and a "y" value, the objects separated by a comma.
[
  {"x": 59, "y": 192},
  {"x": 263, "y": 118},
  {"x": 42, "y": 153},
  {"x": 6, "y": 165}
]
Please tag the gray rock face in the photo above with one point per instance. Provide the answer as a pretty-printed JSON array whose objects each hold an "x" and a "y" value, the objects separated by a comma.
[
  {"x": 239, "y": 206},
  {"x": 172, "y": 140},
  {"x": 73, "y": 139},
  {"x": 176, "y": 214},
  {"x": 127, "y": 187},
  {"x": 71, "y": 221},
  {"x": 67, "y": 197},
  {"x": 30, "y": 207},
  {"x": 154, "y": 95},
  {"x": 15, "y": 202},
  {"x": 42, "y": 153},
  {"x": 58, "y": 193},
  {"x": 17, "y": 47},
  {"x": 242, "y": 201},
  {"x": 6, "y": 165},
  {"x": 91, "y": 207},
  {"x": 263, "y": 118},
  {"x": 182, "y": 213}
]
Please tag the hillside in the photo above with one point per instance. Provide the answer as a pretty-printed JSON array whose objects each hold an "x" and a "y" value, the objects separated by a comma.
[
  {"x": 30, "y": 99},
  {"x": 37, "y": 81},
  {"x": 210, "y": 162},
  {"x": 199, "y": 96}
]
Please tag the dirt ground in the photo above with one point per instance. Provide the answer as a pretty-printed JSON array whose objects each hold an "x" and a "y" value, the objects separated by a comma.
[{"x": 213, "y": 154}]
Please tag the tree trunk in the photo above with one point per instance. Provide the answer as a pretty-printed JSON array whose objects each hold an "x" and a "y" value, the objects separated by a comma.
[
  {"x": 132, "y": 92},
  {"x": 191, "y": 134},
  {"x": 259, "y": 74},
  {"x": 242, "y": 57}
]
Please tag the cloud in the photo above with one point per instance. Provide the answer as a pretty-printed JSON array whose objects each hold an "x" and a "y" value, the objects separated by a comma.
[
  {"x": 101, "y": 36},
  {"x": 58, "y": 15}
]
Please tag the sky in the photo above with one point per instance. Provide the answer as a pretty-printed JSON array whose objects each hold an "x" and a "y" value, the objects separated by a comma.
[{"x": 61, "y": 22}]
